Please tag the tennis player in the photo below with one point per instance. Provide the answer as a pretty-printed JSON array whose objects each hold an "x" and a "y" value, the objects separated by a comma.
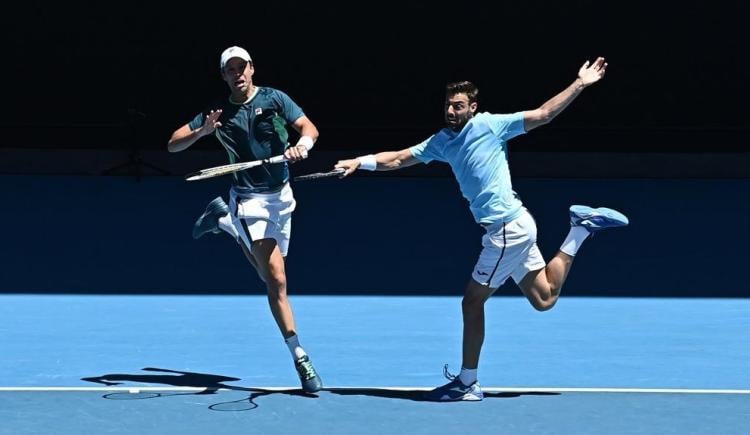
[
  {"x": 475, "y": 145},
  {"x": 251, "y": 124}
]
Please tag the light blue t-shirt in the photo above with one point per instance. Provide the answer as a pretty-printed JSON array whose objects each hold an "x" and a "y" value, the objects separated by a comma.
[{"x": 478, "y": 156}]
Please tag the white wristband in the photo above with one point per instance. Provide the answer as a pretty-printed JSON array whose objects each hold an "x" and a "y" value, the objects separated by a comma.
[
  {"x": 368, "y": 162},
  {"x": 306, "y": 141}
]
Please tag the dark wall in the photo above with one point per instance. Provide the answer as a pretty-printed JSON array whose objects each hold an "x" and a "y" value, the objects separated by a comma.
[
  {"x": 364, "y": 235},
  {"x": 372, "y": 74},
  {"x": 120, "y": 77}
]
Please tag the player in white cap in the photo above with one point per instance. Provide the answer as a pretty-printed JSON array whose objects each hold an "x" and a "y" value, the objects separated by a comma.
[{"x": 251, "y": 124}]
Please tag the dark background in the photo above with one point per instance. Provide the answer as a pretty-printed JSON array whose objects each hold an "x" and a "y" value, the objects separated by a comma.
[
  {"x": 371, "y": 74},
  {"x": 92, "y": 93}
]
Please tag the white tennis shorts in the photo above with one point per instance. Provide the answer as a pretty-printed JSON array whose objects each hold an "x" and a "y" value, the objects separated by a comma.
[
  {"x": 509, "y": 250},
  {"x": 258, "y": 216}
]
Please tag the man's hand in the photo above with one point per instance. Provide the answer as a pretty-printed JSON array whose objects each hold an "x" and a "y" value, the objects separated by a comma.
[
  {"x": 295, "y": 153},
  {"x": 593, "y": 73},
  {"x": 349, "y": 166},
  {"x": 211, "y": 123}
]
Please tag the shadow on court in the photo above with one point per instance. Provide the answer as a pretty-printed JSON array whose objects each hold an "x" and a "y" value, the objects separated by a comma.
[
  {"x": 176, "y": 379},
  {"x": 418, "y": 395},
  {"x": 211, "y": 384}
]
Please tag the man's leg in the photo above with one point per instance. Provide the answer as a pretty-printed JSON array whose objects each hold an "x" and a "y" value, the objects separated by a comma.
[
  {"x": 472, "y": 308},
  {"x": 251, "y": 259},
  {"x": 465, "y": 386},
  {"x": 270, "y": 266},
  {"x": 268, "y": 260},
  {"x": 542, "y": 286}
]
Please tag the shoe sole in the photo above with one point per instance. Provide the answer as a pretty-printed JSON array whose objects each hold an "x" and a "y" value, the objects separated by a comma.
[
  {"x": 468, "y": 397},
  {"x": 472, "y": 398},
  {"x": 217, "y": 204},
  {"x": 312, "y": 390},
  {"x": 584, "y": 212}
]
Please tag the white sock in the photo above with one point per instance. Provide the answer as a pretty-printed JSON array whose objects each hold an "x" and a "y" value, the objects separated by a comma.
[
  {"x": 468, "y": 376},
  {"x": 294, "y": 347},
  {"x": 575, "y": 239},
  {"x": 225, "y": 223}
]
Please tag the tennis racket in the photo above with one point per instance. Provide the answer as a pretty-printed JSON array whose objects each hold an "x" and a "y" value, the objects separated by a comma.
[
  {"x": 217, "y": 171},
  {"x": 334, "y": 173}
]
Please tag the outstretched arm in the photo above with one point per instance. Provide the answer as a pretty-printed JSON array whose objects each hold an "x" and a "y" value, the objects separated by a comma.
[
  {"x": 587, "y": 75},
  {"x": 384, "y": 161},
  {"x": 184, "y": 137}
]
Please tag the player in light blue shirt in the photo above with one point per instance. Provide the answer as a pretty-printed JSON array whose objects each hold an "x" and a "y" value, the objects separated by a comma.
[
  {"x": 478, "y": 156},
  {"x": 475, "y": 145}
]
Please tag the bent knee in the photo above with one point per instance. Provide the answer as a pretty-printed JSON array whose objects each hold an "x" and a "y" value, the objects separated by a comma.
[{"x": 544, "y": 305}]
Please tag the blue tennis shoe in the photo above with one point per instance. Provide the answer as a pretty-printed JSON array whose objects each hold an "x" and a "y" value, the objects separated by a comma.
[
  {"x": 455, "y": 390},
  {"x": 596, "y": 219},
  {"x": 208, "y": 222},
  {"x": 309, "y": 378}
]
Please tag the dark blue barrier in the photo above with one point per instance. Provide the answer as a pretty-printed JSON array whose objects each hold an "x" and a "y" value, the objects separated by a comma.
[{"x": 364, "y": 235}]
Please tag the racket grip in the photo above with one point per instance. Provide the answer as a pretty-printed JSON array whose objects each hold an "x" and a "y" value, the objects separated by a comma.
[{"x": 276, "y": 159}]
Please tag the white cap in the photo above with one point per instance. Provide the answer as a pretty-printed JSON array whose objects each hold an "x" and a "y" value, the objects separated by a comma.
[{"x": 231, "y": 52}]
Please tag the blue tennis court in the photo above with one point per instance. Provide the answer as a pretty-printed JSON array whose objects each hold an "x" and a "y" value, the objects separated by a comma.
[
  {"x": 127, "y": 306},
  {"x": 215, "y": 364}
]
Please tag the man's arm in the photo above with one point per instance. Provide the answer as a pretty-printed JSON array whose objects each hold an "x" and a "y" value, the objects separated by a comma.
[
  {"x": 184, "y": 137},
  {"x": 308, "y": 135},
  {"x": 587, "y": 75},
  {"x": 383, "y": 161}
]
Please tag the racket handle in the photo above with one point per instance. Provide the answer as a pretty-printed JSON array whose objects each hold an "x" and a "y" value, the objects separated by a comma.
[{"x": 275, "y": 159}]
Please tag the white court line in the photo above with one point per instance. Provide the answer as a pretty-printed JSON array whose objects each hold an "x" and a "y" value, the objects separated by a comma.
[
  {"x": 99, "y": 389},
  {"x": 134, "y": 389}
]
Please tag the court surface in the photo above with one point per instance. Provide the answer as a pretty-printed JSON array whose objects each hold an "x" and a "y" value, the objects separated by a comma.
[{"x": 181, "y": 364}]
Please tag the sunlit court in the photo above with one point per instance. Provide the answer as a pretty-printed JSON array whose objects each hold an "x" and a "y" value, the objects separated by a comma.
[{"x": 297, "y": 217}]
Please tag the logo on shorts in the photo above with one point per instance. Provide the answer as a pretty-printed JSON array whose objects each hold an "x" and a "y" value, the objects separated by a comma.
[{"x": 482, "y": 273}]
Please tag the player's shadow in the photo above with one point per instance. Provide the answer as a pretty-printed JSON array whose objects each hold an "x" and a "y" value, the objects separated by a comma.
[
  {"x": 209, "y": 383},
  {"x": 419, "y": 395}
]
